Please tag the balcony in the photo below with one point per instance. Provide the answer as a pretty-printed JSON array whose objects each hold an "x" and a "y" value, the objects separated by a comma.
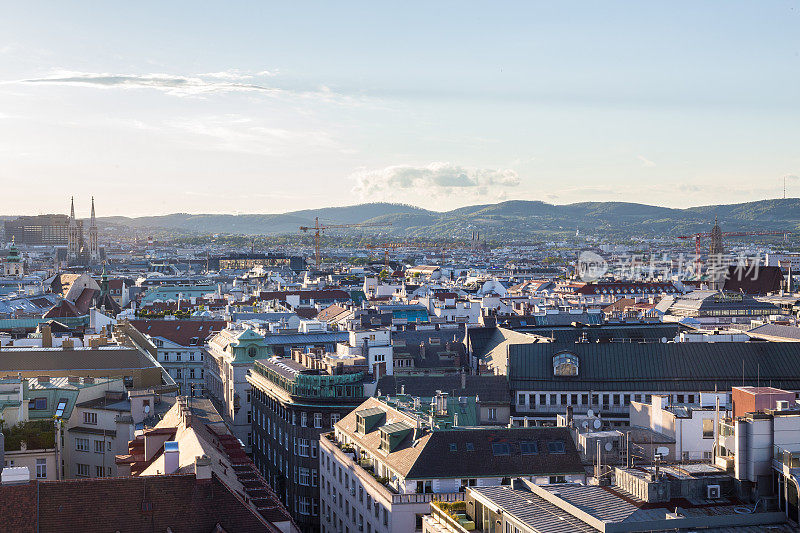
[
  {"x": 453, "y": 516},
  {"x": 786, "y": 460}
]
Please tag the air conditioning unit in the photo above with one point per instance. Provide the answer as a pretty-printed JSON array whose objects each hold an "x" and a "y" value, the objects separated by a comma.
[{"x": 713, "y": 492}]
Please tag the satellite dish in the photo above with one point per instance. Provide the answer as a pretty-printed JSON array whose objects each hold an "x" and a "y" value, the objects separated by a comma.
[
  {"x": 585, "y": 423},
  {"x": 597, "y": 423},
  {"x": 663, "y": 340},
  {"x": 608, "y": 446},
  {"x": 590, "y": 413},
  {"x": 146, "y": 409}
]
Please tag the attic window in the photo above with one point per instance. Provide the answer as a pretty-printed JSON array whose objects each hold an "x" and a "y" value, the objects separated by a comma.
[
  {"x": 565, "y": 364},
  {"x": 38, "y": 404},
  {"x": 469, "y": 447},
  {"x": 453, "y": 447},
  {"x": 251, "y": 351},
  {"x": 62, "y": 405},
  {"x": 501, "y": 448},
  {"x": 556, "y": 446},
  {"x": 528, "y": 447}
]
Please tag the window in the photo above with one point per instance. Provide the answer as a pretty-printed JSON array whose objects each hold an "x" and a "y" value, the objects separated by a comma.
[
  {"x": 453, "y": 447},
  {"x": 317, "y": 420},
  {"x": 304, "y": 506},
  {"x": 62, "y": 404},
  {"x": 191, "y": 373},
  {"x": 41, "y": 468},
  {"x": 82, "y": 445},
  {"x": 38, "y": 404},
  {"x": 501, "y": 448},
  {"x": 556, "y": 446},
  {"x": 708, "y": 428},
  {"x": 303, "y": 447},
  {"x": 492, "y": 413},
  {"x": 334, "y": 418},
  {"x": 304, "y": 477},
  {"x": 98, "y": 446},
  {"x": 81, "y": 470},
  {"x": 252, "y": 351},
  {"x": 178, "y": 373},
  {"x": 424, "y": 487},
  {"x": 558, "y": 479},
  {"x": 90, "y": 418},
  {"x": 98, "y": 471},
  {"x": 521, "y": 399},
  {"x": 468, "y": 446},
  {"x": 565, "y": 364},
  {"x": 528, "y": 447},
  {"x": 303, "y": 419}
]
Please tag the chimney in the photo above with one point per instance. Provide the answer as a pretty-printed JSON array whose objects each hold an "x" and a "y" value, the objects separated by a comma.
[
  {"x": 47, "y": 336},
  {"x": 67, "y": 344},
  {"x": 43, "y": 379},
  {"x": 202, "y": 468},
  {"x": 463, "y": 379},
  {"x": 187, "y": 417},
  {"x": 172, "y": 457}
]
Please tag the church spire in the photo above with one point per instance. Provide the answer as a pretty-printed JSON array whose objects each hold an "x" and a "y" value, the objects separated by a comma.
[
  {"x": 93, "y": 221},
  {"x": 72, "y": 207}
]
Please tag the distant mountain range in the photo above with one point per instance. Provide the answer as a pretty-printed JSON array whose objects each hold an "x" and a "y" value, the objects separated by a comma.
[{"x": 518, "y": 220}]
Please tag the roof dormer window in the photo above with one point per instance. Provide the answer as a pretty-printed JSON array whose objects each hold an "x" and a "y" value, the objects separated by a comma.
[{"x": 565, "y": 364}]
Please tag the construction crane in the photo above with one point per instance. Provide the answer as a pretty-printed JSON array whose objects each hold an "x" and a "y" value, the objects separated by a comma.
[
  {"x": 391, "y": 246},
  {"x": 698, "y": 237},
  {"x": 319, "y": 229}
]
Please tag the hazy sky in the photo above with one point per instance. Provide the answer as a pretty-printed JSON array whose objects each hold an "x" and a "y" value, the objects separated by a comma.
[{"x": 158, "y": 107}]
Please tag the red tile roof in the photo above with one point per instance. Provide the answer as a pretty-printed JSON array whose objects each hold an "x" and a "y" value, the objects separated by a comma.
[
  {"x": 63, "y": 309},
  {"x": 180, "y": 331},
  {"x": 127, "y": 504}
]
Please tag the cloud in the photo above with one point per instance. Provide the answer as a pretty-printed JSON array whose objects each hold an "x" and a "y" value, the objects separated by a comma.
[
  {"x": 645, "y": 162},
  {"x": 235, "y": 133},
  {"x": 231, "y": 81},
  {"x": 432, "y": 178}
]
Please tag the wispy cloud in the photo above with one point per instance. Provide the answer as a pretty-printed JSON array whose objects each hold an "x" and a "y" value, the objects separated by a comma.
[
  {"x": 235, "y": 133},
  {"x": 645, "y": 162},
  {"x": 231, "y": 81},
  {"x": 436, "y": 180}
]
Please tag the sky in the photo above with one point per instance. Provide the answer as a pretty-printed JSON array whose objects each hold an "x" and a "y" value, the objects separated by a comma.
[{"x": 266, "y": 107}]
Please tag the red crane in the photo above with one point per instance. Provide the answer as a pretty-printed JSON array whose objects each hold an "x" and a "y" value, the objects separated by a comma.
[
  {"x": 698, "y": 237},
  {"x": 319, "y": 229}
]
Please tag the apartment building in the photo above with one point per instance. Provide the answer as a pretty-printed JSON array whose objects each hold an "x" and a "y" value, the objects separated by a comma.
[
  {"x": 231, "y": 353},
  {"x": 295, "y": 400},
  {"x": 605, "y": 377},
  {"x": 381, "y": 467},
  {"x": 182, "y": 349}
]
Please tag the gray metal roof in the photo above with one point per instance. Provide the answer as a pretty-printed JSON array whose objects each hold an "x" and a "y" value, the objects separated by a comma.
[
  {"x": 776, "y": 331},
  {"x": 306, "y": 338},
  {"x": 532, "y": 510},
  {"x": 638, "y": 367}
]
